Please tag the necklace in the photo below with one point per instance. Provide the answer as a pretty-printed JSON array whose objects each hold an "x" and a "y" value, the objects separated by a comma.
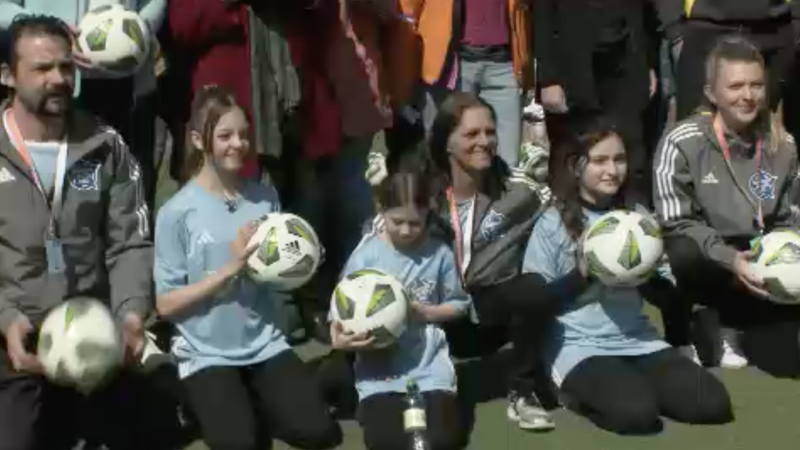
[{"x": 232, "y": 203}]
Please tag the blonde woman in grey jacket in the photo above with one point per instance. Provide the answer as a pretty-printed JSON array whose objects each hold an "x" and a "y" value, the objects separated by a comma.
[{"x": 722, "y": 178}]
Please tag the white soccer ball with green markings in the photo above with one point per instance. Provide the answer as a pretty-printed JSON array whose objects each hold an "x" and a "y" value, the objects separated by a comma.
[
  {"x": 79, "y": 344},
  {"x": 115, "y": 39},
  {"x": 623, "y": 248},
  {"x": 288, "y": 254},
  {"x": 777, "y": 261},
  {"x": 370, "y": 300}
]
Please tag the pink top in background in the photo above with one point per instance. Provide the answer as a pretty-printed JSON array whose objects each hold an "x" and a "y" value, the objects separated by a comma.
[{"x": 486, "y": 22}]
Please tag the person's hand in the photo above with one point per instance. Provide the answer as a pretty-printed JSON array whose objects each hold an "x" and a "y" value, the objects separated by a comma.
[
  {"x": 376, "y": 169},
  {"x": 743, "y": 268},
  {"x": 16, "y": 336},
  {"x": 241, "y": 248},
  {"x": 133, "y": 337},
  {"x": 532, "y": 170},
  {"x": 81, "y": 60},
  {"x": 421, "y": 311},
  {"x": 342, "y": 339},
  {"x": 554, "y": 100},
  {"x": 653, "y": 83}
]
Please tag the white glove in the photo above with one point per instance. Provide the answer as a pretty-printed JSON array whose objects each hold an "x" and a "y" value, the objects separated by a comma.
[
  {"x": 533, "y": 162},
  {"x": 533, "y": 170},
  {"x": 533, "y": 111},
  {"x": 376, "y": 169}
]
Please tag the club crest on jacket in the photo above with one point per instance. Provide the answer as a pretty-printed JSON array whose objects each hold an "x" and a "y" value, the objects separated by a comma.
[{"x": 84, "y": 175}]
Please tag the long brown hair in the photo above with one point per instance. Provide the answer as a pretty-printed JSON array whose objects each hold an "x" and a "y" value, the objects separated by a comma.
[
  {"x": 446, "y": 122},
  {"x": 210, "y": 104},
  {"x": 572, "y": 152}
]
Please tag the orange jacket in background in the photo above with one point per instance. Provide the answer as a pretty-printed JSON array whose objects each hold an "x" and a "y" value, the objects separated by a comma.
[{"x": 435, "y": 25}]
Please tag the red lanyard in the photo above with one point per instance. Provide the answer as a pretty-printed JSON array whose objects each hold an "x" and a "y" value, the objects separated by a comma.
[
  {"x": 15, "y": 136},
  {"x": 726, "y": 153},
  {"x": 18, "y": 142},
  {"x": 463, "y": 238}
]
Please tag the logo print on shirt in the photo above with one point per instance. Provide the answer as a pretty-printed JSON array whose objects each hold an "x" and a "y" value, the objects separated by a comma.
[
  {"x": 709, "y": 179},
  {"x": 421, "y": 289},
  {"x": 6, "y": 176},
  {"x": 205, "y": 239},
  {"x": 83, "y": 176},
  {"x": 762, "y": 185},
  {"x": 490, "y": 226}
]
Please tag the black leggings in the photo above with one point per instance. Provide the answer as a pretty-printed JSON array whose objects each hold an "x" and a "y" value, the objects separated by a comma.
[
  {"x": 519, "y": 307},
  {"x": 244, "y": 408},
  {"x": 770, "y": 330},
  {"x": 381, "y": 418},
  {"x": 628, "y": 394}
]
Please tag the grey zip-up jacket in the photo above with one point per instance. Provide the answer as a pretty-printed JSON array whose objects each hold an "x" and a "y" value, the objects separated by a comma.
[
  {"x": 699, "y": 195},
  {"x": 501, "y": 229},
  {"x": 103, "y": 228}
]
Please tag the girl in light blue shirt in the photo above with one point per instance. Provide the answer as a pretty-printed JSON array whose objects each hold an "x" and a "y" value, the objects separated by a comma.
[
  {"x": 608, "y": 359},
  {"x": 398, "y": 244},
  {"x": 244, "y": 384}
]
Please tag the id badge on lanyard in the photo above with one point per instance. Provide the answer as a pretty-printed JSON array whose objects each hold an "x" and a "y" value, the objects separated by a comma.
[
  {"x": 463, "y": 238},
  {"x": 758, "y": 218},
  {"x": 53, "y": 248}
]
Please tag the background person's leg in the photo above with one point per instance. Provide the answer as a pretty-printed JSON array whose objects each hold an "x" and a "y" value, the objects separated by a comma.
[
  {"x": 698, "y": 41},
  {"x": 500, "y": 89}
]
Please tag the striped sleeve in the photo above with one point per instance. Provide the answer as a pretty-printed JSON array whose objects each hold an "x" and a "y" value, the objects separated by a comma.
[
  {"x": 788, "y": 213},
  {"x": 675, "y": 199},
  {"x": 129, "y": 248}
]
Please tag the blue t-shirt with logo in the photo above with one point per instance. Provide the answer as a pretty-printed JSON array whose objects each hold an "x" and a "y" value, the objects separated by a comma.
[
  {"x": 429, "y": 274},
  {"x": 238, "y": 326},
  {"x": 603, "y": 320}
]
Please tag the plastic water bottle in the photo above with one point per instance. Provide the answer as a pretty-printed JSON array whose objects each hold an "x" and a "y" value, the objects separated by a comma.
[{"x": 414, "y": 420}]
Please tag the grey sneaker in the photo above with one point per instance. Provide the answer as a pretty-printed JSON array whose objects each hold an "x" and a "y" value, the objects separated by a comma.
[{"x": 528, "y": 413}]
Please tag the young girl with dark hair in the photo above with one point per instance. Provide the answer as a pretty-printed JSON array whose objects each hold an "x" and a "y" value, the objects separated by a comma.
[
  {"x": 610, "y": 362},
  {"x": 244, "y": 383},
  {"x": 399, "y": 244},
  {"x": 723, "y": 177}
]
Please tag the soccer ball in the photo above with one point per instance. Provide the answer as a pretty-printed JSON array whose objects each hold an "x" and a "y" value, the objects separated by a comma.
[
  {"x": 777, "y": 261},
  {"x": 288, "y": 253},
  {"x": 115, "y": 39},
  {"x": 623, "y": 248},
  {"x": 79, "y": 344},
  {"x": 370, "y": 300}
]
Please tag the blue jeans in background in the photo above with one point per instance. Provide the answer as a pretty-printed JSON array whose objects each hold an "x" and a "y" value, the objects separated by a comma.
[
  {"x": 498, "y": 86},
  {"x": 334, "y": 197}
]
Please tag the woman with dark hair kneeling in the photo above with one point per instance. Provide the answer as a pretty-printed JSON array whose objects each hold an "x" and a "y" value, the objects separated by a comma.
[
  {"x": 486, "y": 213},
  {"x": 612, "y": 365},
  {"x": 724, "y": 177}
]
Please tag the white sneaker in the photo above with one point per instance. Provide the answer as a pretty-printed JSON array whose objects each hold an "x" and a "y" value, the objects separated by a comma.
[
  {"x": 528, "y": 413},
  {"x": 690, "y": 352},
  {"x": 152, "y": 356},
  {"x": 732, "y": 355}
]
